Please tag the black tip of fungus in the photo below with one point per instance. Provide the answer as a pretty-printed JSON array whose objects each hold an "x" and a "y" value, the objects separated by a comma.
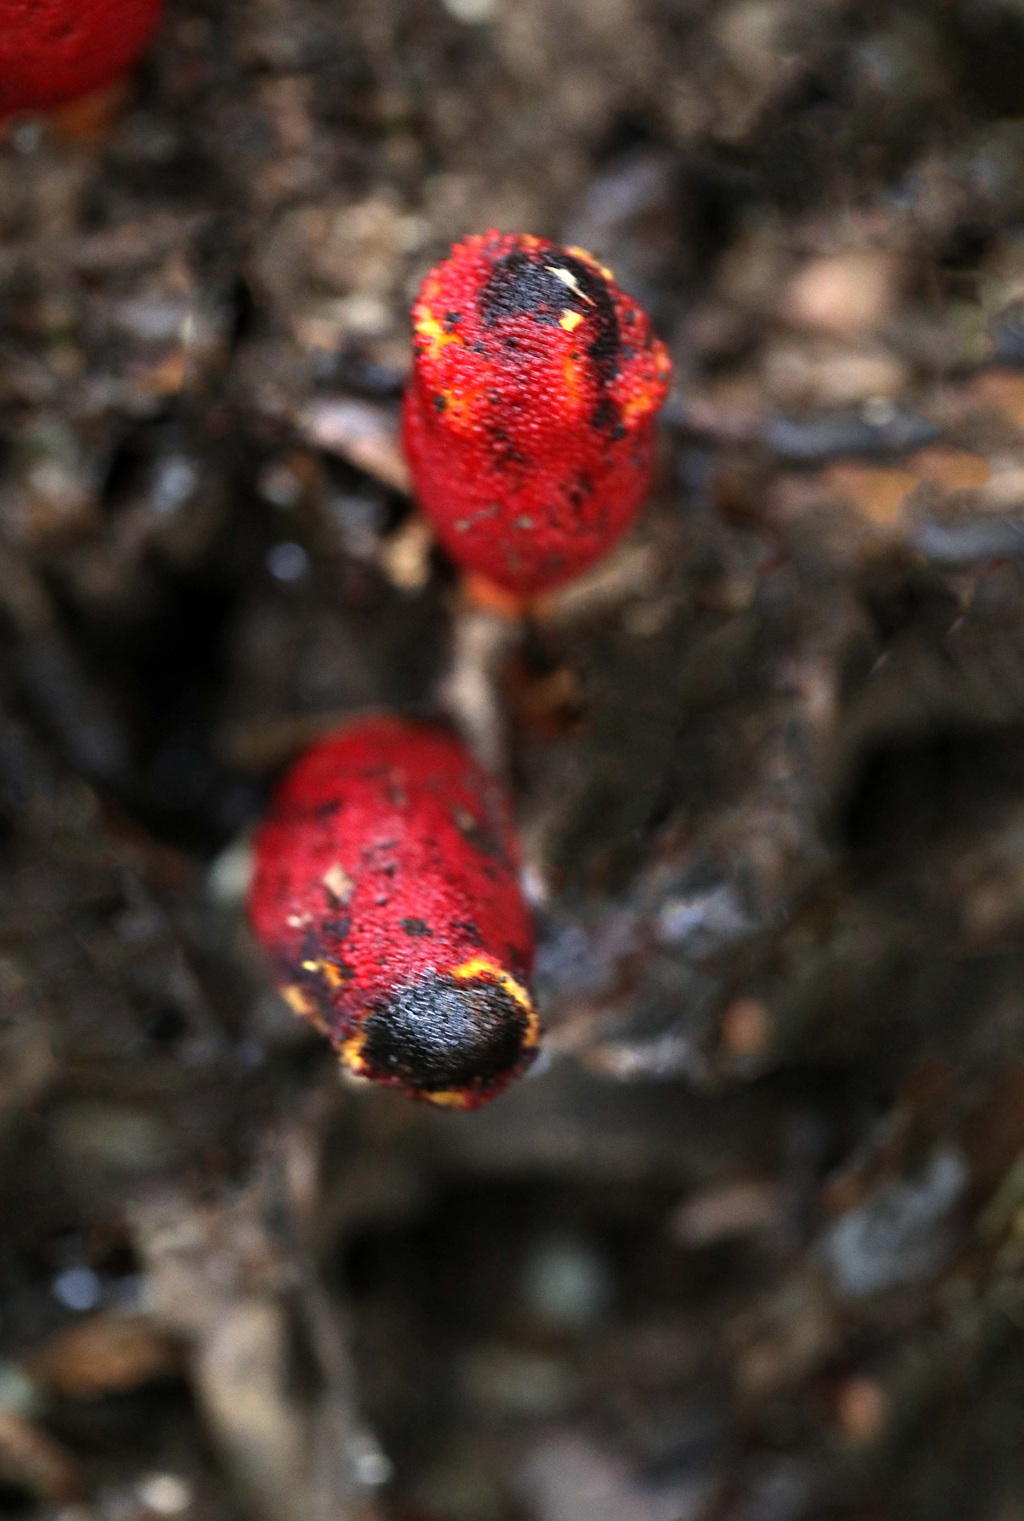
[
  {"x": 443, "y": 1034},
  {"x": 532, "y": 283}
]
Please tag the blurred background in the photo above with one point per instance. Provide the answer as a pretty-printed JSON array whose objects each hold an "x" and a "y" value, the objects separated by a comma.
[{"x": 748, "y": 1244}]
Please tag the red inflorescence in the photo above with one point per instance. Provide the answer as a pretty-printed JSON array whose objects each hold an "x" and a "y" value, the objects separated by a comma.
[
  {"x": 386, "y": 892},
  {"x": 52, "y": 51},
  {"x": 529, "y": 419}
]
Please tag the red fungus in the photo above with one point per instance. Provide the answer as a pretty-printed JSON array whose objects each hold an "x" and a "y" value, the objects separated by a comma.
[
  {"x": 52, "y": 51},
  {"x": 529, "y": 419},
  {"x": 386, "y": 892}
]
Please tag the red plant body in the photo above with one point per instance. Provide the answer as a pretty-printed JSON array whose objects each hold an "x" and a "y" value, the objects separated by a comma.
[
  {"x": 52, "y": 51},
  {"x": 529, "y": 418},
  {"x": 386, "y": 892}
]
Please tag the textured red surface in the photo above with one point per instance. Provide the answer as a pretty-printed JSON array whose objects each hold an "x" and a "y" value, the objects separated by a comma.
[
  {"x": 54, "y": 50},
  {"x": 387, "y": 855},
  {"x": 529, "y": 419}
]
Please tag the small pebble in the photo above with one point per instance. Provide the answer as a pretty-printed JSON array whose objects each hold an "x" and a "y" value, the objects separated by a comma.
[
  {"x": 27, "y": 137},
  {"x": 370, "y": 1462},
  {"x": 843, "y": 293},
  {"x": 746, "y": 1028},
  {"x": 472, "y": 12},
  {"x": 861, "y": 1409},
  {"x": 280, "y": 487},
  {"x": 287, "y": 562},
  {"x": 744, "y": 1208},
  {"x": 174, "y": 481},
  {"x": 18, "y": 1393},
  {"x": 567, "y": 1283},
  {"x": 78, "y": 1289},
  {"x": 168, "y": 1494},
  {"x": 900, "y": 1234},
  {"x": 227, "y": 880},
  {"x": 405, "y": 556}
]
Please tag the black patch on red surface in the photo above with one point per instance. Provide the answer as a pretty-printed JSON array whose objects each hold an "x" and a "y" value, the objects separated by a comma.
[
  {"x": 442, "y": 1033},
  {"x": 521, "y": 286},
  {"x": 416, "y": 926},
  {"x": 523, "y": 283},
  {"x": 606, "y": 414}
]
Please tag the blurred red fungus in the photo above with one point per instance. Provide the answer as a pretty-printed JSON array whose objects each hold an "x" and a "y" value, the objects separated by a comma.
[
  {"x": 529, "y": 419},
  {"x": 386, "y": 892},
  {"x": 52, "y": 51}
]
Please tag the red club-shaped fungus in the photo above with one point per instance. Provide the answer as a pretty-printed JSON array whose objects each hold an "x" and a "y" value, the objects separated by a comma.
[
  {"x": 52, "y": 51},
  {"x": 529, "y": 418},
  {"x": 386, "y": 892}
]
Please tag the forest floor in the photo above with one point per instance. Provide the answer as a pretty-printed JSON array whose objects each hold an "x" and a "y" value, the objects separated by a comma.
[{"x": 748, "y": 1243}]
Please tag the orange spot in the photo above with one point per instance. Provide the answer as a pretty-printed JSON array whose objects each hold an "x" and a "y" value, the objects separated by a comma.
[
  {"x": 297, "y": 1001},
  {"x": 452, "y": 1098},
  {"x": 588, "y": 258},
  {"x": 459, "y": 407},
  {"x": 484, "y": 966},
  {"x": 433, "y": 333},
  {"x": 571, "y": 376},
  {"x": 351, "y": 1053},
  {"x": 299, "y": 1004},
  {"x": 647, "y": 396},
  {"x": 488, "y": 597},
  {"x": 167, "y": 377}
]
